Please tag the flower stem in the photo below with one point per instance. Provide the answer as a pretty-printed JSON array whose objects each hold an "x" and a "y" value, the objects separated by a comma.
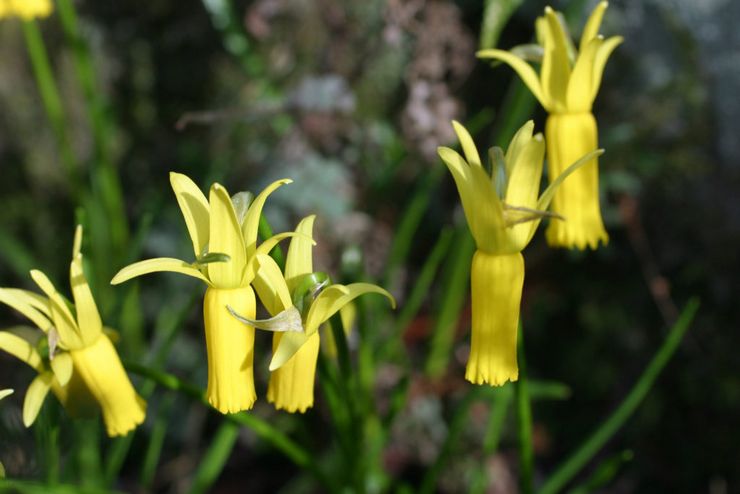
[{"x": 616, "y": 420}]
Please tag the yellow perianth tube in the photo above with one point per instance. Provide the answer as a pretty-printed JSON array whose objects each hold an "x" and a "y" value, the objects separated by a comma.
[
  {"x": 101, "y": 369},
  {"x": 291, "y": 386},
  {"x": 230, "y": 346},
  {"x": 496, "y": 286},
  {"x": 569, "y": 137}
]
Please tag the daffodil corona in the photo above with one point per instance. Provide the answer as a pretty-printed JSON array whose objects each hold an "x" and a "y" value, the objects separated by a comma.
[
  {"x": 503, "y": 211},
  {"x": 83, "y": 365},
  {"x": 300, "y": 301},
  {"x": 566, "y": 87},
  {"x": 25, "y": 9},
  {"x": 223, "y": 231}
]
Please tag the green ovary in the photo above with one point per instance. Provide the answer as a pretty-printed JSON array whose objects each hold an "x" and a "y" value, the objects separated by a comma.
[
  {"x": 230, "y": 346},
  {"x": 570, "y": 137},
  {"x": 496, "y": 285}
]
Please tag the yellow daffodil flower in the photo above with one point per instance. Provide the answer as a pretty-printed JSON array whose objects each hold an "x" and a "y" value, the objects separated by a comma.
[
  {"x": 300, "y": 301},
  {"x": 503, "y": 211},
  {"x": 566, "y": 87},
  {"x": 82, "y": 358},
  {"x": 25, "y": 9},
  {"x": 224, "y": 236}
]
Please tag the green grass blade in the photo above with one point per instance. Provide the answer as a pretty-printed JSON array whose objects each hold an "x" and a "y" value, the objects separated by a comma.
[
  {"x": 624, "y": 411},
  {"x": 496, "y": 14},
  {"x": 156, "y": 441},
  {"x": 524, "y": 423},
  {"x": 215, "y": 458},
  {"x": 500, "y": 402},
  {"x": 604, "y": 473}
]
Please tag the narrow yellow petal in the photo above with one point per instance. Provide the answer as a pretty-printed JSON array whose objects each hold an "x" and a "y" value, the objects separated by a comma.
[
  {"x": 101, "y": 369},
  {"x": 555, "y": 71},
  {"x": 251, "y": 222},
  {"x": 77, "y": 245},
  {"x": 526, "y": 172},
  {"x": 271, "y": 286},
  {"x": 291, "y": 386},
  {"x": 264, "y": 249},
  {"x": 61, "y": 316},
  {"x": 38, "y": 302},
  {"x": 299, "y": 260},
  {"x": 195, "y": 210},
  {"x": 520, "y": 140},
  {"x": 578, "y": 98},
  {"x": 333, "y": 298},
  {"x": 525, "y": 71},
  {"x": 5, "y": 392},
  {"x": 496, "y": 288},
  {"x": 225, "y": 238},
  {"x": 605, "y": 50},
  {"x": 230, "y": 347},
  {"x": 35, "y": 395},
  {"x": 88, "y": 317},
  {"x": 21, "y": 348},
  {"x": 12, "y": 298},
  {"x": 288, "y": 345},
  {"x": 591, "y": 30},
  {"x": 61, "y": 365},
  {"x": 156, "y": 265},
  {"x": 467, "y": 144}
]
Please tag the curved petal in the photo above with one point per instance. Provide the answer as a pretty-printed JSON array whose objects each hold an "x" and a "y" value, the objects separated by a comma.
[
  {"x": 5, "y": 392},
  {"x": 522, "y": 137},
  {"x": 61, "y": 365},
  {"x": 195, "y": 210},
  {"x": 555, "y": 70},
  {"x": 299, "y": 260},
  {"x": 334, "y": 298},
  {"x": 525, "y": 71},
  {"x": 252, "y": 220},
  {"x": 605, "y": 51},
  {"x": 265, "y": 248},
  {"x": 289, "y": 344},
  {"x": 271, "y": 286},
  {"x": 61, "y": 316},
  {"x": 526, "y": 172},
  {"x": 21, "y": 348},
  {"x": 88, "y": 318},
  {"x": 35, "y": 395},
  {"x": 591, "y": 29},
  {"x": 467, "y": 144},
  {"x": 38, "y": 302},
  {"x": 10, "y": 297},
  {"x": 158, "y": 264},
  {"x": 578, "y": 97},
  {"x": 225, "y": 237}
]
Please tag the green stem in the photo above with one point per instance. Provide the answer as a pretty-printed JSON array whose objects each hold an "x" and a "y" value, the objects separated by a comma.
[
  {"x": 215, "y": 458},
  {"x": 260, "y": 427},
  {"x": 52, "y": 101},
  {"x": 156, "y": 441},
  {"x": 616, "y": 420},
  {"x": 524, "y": 421},
  {"x": 500, "y": 402}
]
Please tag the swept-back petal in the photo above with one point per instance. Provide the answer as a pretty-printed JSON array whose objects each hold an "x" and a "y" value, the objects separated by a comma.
[
  {"x": 35, "y": 395},
  {"x": 467, "y": 144},
  {"x": 602, "y": 55},
  {"x": 61, "y": 365},
  {"x": 21, "y": 348},
  {"x": 63, "y": 319},
  {"x": 334, "y": 298},
  {"x": 156, "y": 265},
  {"x": 5, "y": 392},
  {"x": 23, "y": 304},
  {"x": 526, "y": 172},
  {"x": 578, "y": 98},
  {"x": 225, "y": 237},
  {"x": 265, "y": 248},
  {"x": 520, "y": 140},
  {"x": 88, "y": 317},
  {"x": 525, "y": 71},
  {"x": 555, "y": 70},
  {"x": 289, "y": 344},
  {"x": 271, "y": 286},
  {"x": 195, "y": 210},
  {"x": 549, "y": 192},
  {"x": 299, "y": 260},
  {"x": 591, "y": 29},
  {"x": 251, "y": 222}
]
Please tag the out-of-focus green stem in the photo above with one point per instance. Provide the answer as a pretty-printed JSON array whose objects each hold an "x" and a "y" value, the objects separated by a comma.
[
  {"x": 500, "y": 402},
  {"x": 51, "y": 100},
  {"x": 156, "y": 441},
  {"x": 262, "y": 428},
  {"x": 215, "y": 458},
  {"x": 524, "y": 422},
  {"x": 496, "y": 14},
  {"x": 604, "y": 473},
  {"x": 565, "y": 472}
]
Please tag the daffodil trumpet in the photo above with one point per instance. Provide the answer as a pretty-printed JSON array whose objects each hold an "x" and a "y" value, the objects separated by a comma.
[
  {"x": 503, "y": 210},
  {"x": 566, "y": 86},
  {"x": 223, "y": 231},
  {"x": 83, "y": 365},
  {"x": 300, "y": 301}
]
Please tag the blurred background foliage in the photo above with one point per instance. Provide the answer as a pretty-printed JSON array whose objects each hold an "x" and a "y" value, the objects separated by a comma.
[{"x": 351, "y": 99}]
